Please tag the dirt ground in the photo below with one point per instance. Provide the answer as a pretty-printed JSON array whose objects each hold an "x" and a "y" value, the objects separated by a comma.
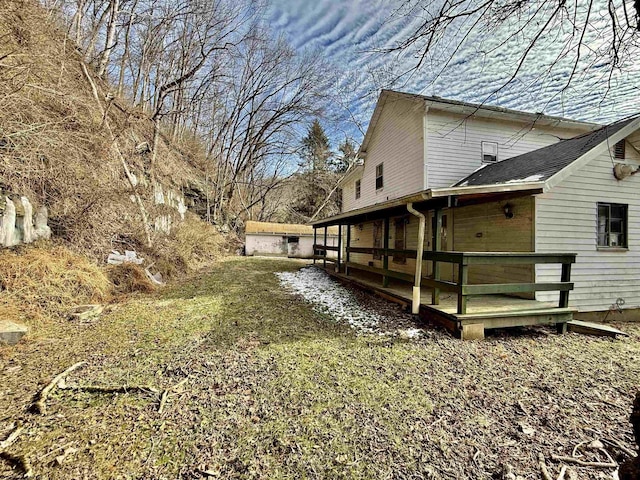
[{"x": 258, "y": 383}]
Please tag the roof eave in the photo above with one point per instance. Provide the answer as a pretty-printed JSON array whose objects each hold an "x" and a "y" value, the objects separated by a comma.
[{"x": 481, "y": 189}]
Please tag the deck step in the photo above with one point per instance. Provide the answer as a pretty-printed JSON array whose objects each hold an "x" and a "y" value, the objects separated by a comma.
[{"x": 598, "y": 329}]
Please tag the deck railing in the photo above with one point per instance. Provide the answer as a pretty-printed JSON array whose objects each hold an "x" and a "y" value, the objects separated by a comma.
[{"x": 464, "y": 260}]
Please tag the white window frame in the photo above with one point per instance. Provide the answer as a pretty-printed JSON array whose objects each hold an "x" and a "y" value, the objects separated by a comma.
[
  {"x": 489, "y": 149},
  {"x": 381, "y": 176},
  {"x": 604, "y": 230}
]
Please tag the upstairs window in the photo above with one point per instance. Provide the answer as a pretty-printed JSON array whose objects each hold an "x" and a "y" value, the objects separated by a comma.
[
  {"x": 379, "y": 176},
  {"x": 357, "y": 189},
  {"x": 612, "y": 225},
  {"x": 489, "y": 152},
  {"x": 618, "y": 150}
]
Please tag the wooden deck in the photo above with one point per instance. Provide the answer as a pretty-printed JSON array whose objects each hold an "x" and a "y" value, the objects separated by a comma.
[{"x": 482, "y": 312}]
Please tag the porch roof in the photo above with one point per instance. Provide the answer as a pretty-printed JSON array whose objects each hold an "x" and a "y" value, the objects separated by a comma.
[{"x": 430, "y": 199}]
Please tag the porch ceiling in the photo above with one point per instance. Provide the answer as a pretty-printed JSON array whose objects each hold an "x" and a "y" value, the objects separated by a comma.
[{"x": 428, "y": 200}]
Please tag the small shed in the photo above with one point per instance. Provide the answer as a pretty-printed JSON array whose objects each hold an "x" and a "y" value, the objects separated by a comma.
[{"x": 283, "y": 239}]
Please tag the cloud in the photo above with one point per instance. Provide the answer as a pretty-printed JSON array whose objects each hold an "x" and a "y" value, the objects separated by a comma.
[{"x": 351, "y": 35}]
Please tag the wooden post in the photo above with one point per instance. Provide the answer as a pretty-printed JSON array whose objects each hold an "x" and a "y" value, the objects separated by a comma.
[
  {"x": 324, "y": 260},
  {"x": 564, "y": 296},
  {"x": 385, "y": 258},
  {"x": 339, "y": 247},
  {"x": 566, "y": 277},
  {"x": 463, "y": 278},
  {"x": 437, "y": 227},
  {"x": 315, "y": 241},
  {"x": 348, "y": 246}
]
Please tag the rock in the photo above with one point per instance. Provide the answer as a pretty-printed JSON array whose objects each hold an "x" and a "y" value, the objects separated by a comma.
[
  {"x": 526, "y": 429},
  {"x": 143, "y": 148},
  {"x": 42, "y": 229},
  {"x": 11, "y": 332},
  {"x": 86, "y": 313},
  {"x": 25, "y": 223},
  {"x": 595, "y": 445},
  {"x": 130, "y": 256},
  {"x": 8, "y": 229}
]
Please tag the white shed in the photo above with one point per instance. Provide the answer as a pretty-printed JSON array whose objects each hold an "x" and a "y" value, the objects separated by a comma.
[{"x": 284, "y": 239}]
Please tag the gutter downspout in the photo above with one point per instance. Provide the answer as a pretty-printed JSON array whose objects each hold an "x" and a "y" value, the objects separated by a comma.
[{"x": 415, "y": 303}]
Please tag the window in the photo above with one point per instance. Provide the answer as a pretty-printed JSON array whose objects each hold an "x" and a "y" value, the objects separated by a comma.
[
  {"x": 618, "y": 150},
  {"x": 293, "y": 239},
  {"x": 612, "y": 225},
  {"x": 357, "y": 189},
  {"x": 377, "y": 238},
  {"x": 379, "y": 177},
  {"x": 400, "y": 242},
  {"x": 489, "y": 152}
]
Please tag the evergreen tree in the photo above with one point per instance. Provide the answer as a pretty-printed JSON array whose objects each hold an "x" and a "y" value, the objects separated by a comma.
[{"x": 316, "y": 149}]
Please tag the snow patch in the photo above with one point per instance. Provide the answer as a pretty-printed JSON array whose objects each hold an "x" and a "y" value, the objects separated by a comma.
[
  {"x": 531, "y": 178},
  {"x": 331, "y": 298}
]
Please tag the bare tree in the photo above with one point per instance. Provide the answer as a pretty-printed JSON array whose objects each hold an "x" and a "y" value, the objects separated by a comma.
[{"x": 577, "y": 35}]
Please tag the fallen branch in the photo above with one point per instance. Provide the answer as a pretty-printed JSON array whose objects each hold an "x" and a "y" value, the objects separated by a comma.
[
  {"x": 39, "y": 405},
  {"x": 563, "y": 470},
  {"x": 523, "y": 408},
  {"x": 583, "y": 463},
  {"x": 165, "y": 394},
  {"x": 543, "y": 468},
  {"x": 619, "y": 446},
  {"x": 19, "y": 461},
  {"x": 163, "y": 401},
  {"x": 13, "y": 436},
  {"x": 112, "y": 390}
]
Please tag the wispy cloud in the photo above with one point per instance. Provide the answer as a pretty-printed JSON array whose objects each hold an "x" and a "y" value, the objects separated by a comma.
[{"x": 351, "y": 34}]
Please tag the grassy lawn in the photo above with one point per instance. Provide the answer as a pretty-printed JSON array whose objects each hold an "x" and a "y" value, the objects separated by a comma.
[{"x": 276, "y": 390}]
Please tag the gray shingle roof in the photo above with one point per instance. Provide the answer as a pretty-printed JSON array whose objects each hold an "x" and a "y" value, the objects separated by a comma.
[{"x": 539, "y": 165}]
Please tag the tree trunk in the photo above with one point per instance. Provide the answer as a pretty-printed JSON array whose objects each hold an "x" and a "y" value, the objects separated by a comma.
[{"x": 114, "y": 5}]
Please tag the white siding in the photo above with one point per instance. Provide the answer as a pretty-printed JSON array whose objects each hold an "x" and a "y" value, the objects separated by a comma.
[
  {"x": 396, "y": 142},
  {"x": 349, "y": 201},
  {"x": 264, "y": 244},
  {"x": 566, "y": 220},
  {"x": 453, "y": 143}
]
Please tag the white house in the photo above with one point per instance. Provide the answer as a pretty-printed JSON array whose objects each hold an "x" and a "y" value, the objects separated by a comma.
[
  {"x": 282, "y": 239},
  {"x": 531, "y": 189}
]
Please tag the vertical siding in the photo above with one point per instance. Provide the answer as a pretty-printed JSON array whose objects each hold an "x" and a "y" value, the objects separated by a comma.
[
  {"x": 396, "y": 142},
  {"x": 453, "y": 143},
  {"x": 484, "y": 228},
  {"x": 566, "y": 219}
]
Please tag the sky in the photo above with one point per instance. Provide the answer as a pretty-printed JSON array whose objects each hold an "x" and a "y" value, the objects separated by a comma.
[{"x": 352, "y": 34}]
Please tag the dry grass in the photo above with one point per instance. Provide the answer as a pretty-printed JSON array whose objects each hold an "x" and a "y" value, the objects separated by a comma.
[
  {"x": 130, "y": 278},
  {"x": 55, "y": 148},
  {"x": 275, "y": 390},
  {"x": 37, "y": 282}
]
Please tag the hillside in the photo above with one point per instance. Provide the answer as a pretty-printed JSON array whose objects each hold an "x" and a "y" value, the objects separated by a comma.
[{"x": 69, "y": 144}]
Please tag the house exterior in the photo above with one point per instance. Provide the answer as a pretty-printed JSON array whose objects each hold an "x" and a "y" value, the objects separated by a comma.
[
  {"x": 498, "y": 181},
  {"x": 282, "y": 239}
]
